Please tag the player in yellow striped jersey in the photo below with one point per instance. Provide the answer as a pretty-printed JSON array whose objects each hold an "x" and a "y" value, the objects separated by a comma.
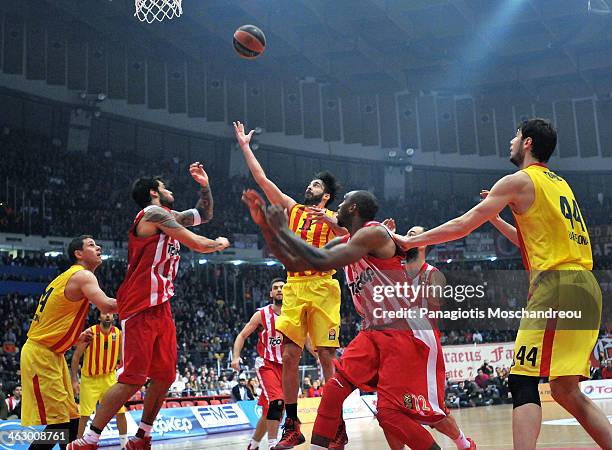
[
  {"x": 57, "y": 325},
  {"x": 311, "y": 299},
  {"x": 554, "y": 241},
  {"x": 101, "y": 357}
]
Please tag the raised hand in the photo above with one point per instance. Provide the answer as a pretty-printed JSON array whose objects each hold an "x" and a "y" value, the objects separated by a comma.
[
  {"x": 390, "y": 224},
  {"x": 257, "y": 206},
  {"x": 318, "y": 215},
  {"x": 85, "y": 337},
  {"x": 242, "y": 138},
  {"x": 197, "y": 172}
]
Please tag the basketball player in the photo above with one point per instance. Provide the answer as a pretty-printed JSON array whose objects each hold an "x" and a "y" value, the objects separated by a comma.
[
  {"x": 421, "y": 273},
  {"x": 148, "y": 331},
  {"x": 99, "y": 372},
  {"x": 268, "y": 365},
  {"x": 556, "y": 251},
  {"x": 57, "y": 325},
  {"x": 387, "y": 346},
  {"x": 311, "y": 302}
]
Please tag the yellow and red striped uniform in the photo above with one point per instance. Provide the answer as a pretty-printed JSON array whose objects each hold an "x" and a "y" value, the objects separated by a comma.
[
  {"x": 311, "y": 299},
  {"x": 316, "y": 234},
  {"x": 102, "y": 353}
]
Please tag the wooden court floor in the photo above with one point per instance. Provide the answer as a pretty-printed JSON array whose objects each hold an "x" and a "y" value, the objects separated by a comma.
[{"x": 489, "y": 426}]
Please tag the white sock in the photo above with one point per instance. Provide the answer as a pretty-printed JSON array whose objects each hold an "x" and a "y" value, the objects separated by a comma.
[
  {"x": 461, "y": 442},
  {"x": 146, "y": 428},
  {"x": 254, "y": 443},
  {"x": 123, "y": 439},
  {"x": 272, "y": 443},
  {"x": 91, "y": 437}
]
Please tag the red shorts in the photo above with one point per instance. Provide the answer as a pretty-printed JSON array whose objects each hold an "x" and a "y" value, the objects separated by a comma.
[
  {"x": 269, "y": 375},
  {"x": 149, "y": 346},
  {"x": 406, "y": 368}
]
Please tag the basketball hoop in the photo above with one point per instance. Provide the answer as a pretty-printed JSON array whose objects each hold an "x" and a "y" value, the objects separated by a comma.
[{"x": 157, "y": 10}]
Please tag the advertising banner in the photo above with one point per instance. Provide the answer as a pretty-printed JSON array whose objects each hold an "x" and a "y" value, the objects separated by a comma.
[
  {"x": 594, "y": 389},
  {"x": 354, "y": 407},
  {"x": 462, "y": 361}
]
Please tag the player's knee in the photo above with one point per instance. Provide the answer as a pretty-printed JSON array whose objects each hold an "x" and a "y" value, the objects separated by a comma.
[
  {"x": 275, "y": 410},
  {"x": 524, "y": 390},
  {"x": 562, "y": 393},
  {"x": 292, "y": 354}
]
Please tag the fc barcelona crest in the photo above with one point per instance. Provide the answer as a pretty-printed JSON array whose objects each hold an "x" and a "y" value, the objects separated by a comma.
[{"x": 408, "y": 401}]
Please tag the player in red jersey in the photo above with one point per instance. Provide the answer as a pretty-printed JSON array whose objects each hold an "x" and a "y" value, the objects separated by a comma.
[
  {"x": 421, "y": 276},
  {"x": 268, "y": 365},
  {"x": 391, "y": 342},
  {"x": 149, "y": 334}
]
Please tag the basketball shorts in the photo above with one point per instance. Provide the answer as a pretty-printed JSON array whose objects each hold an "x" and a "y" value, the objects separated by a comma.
[
  {"x": 559, "y": 346},
  {"x": 47, "y": 391},
  {"x": 149, "y": 346},
  {"x": 93, "y": 389},
  {"x": 269, "y": 375},
  {"x": 311, "y": 306},
  {"x": 406, "y": 369}
]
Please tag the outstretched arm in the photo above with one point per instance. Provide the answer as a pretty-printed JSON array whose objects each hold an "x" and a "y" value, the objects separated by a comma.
[
  {"x": 74, "y": 366},
  {"x": 248, "y": 329},
  {"x": 85, "y": 284},
  {"x": 203, "y": 211},
  {"x": 363, "y": 242},
  {"x": 167, "y": 223},
  {"x": 273, "y": 193},
  {"x": 504, "y": 227},
  {"x": 501, "y": 195}
]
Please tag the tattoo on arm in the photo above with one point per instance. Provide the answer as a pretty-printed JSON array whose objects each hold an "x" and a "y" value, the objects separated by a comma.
[
  {"x": 205, "y": 204},
  {"x": 204, "y": 208},
  {"x": 283, "y": 252},
  {"x": 162, "y": 217}
]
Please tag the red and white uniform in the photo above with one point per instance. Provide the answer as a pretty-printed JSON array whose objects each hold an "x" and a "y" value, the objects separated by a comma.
[
  {"x": 268, "y": 365},
  {"x": 149, "y": 334},
  {"x": 152, "y": 265},
  {"x": 399, "y": 356}
]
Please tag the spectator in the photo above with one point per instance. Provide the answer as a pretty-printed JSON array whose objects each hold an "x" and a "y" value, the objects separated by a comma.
[
  {"x": 487, "y": 368},
  {"x": 253, "y": 386},
  {"x": 240, "y": 391},
  {"x": 606, "y": 372},
  {"x": 482, "y": 379},
  {"x": 477, "y": 337}
]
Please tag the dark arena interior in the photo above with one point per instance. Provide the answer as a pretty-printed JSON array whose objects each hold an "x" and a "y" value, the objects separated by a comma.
[{"x": 482, "y": 128}]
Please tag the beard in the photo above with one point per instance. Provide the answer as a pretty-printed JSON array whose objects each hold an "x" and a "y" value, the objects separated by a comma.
[
  {"x": 278, "y": 302},
  {"x": 166, "y": 201},
  {"x": 311, "y": 200},
  {"x": 106, "y": 324},
  {"x": 518, "y": 159}
]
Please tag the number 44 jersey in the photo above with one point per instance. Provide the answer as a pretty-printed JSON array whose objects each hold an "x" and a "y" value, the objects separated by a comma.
[{"x": 552, "y": 232}]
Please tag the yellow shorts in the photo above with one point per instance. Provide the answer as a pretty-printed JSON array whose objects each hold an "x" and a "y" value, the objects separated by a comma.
[
  {"x": 559, "y": 346},
  {"x": 311, "y": 306},
  {"x": 47, "y": 396},
  {"x": 92, "y": 391}
]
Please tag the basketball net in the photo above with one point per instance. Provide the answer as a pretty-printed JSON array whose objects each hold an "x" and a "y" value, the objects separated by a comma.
[{"x": 157, "y": 10}]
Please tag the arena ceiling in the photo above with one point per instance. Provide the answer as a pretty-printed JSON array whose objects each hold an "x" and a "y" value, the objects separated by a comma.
[{"x": 371, "y": 46}]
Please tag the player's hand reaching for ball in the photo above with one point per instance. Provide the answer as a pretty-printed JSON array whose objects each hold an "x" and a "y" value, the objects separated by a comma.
[
  {"x": 242, "y": 138},
  {"x": 276, "y": 217},
  {"x": 318, "y": 215},
  {"x": 257, "y": 206},
  {"x": 236, "y": 364},
  {"x": 196, "y": 170}
]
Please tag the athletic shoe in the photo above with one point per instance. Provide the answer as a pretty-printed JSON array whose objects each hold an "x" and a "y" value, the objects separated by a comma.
[
  {"x": 80, "y": 444},
  {"x": 292, "y": 435},
  {"x": 139, "y": 444},
  {"x": 472, "y": 444},
  {"x": 252, "y": 448},
  {"x": 341, "y": 438}
]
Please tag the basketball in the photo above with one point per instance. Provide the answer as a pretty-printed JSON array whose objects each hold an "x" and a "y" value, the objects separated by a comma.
[{"x": 249, "y": 41}]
